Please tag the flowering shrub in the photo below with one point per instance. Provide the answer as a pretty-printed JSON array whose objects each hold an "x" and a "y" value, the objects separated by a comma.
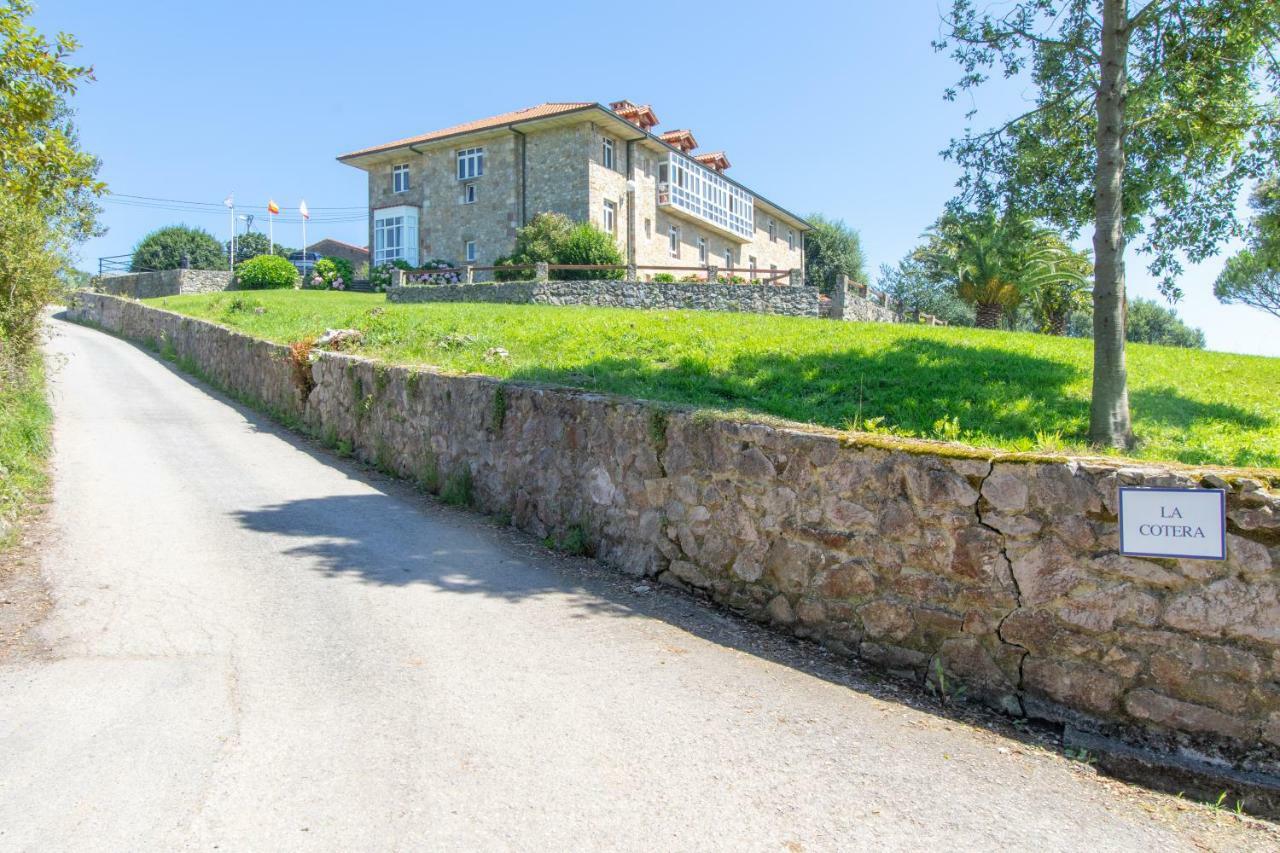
[
  {"x": 330, "y": 274},
  {"x": 380, "y": 276},
  {"x": 423, "y": 275}
]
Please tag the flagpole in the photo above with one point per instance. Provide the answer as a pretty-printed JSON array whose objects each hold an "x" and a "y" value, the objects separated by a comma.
[
  {"x": 231, "y": 257},
  {"x": 271, "y": 233}
]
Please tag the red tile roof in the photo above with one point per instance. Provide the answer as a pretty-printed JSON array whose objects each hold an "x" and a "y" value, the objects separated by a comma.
[
  {"x": 682, "y": 139},
  {"x": 540, "y": 111},
  {"x": 713, "y": 160}
]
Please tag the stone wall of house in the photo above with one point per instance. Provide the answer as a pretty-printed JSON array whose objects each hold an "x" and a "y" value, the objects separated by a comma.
[
  {"x": 1000, "y": 575},
  {"x": 144, "y": 285},
  {"x": 753, "y": 298},
  {"x": 848, "y": 303}
]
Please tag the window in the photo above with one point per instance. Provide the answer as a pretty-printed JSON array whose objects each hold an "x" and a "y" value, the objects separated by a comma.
[
  {"x": 470, "y": 163},
  {"x": 395, "y": 234},
  {"x": 606, "y": 153},
  {"x": 611, "y": 217},
  {"x": 468, "y": 193},
  {"x": 791, "y": 239},
  {"x": 773, "y": 231},
  {"x": 728, "y": 258},
  {"x": 647, "y": 165},
  {"x": 471, "y": 251},
  {"x": 702, "y": 250},
  {"x": 751, "y": 266},
  {"x": 662, "y": 173},
  {"x": 648, "y": 227},
  {"x": 706, "y": 194},
  {"x": 400, "y": 178},
  {"x": 673, "y": 241}
]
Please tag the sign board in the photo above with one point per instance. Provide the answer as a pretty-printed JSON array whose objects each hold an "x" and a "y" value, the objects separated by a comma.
[{"x": 1188, "y": 523}]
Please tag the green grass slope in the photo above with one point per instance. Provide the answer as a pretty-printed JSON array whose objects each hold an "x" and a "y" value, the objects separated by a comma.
[
  {"x": 1012, "y": 391},
  {"x": 25, "y": 425}
]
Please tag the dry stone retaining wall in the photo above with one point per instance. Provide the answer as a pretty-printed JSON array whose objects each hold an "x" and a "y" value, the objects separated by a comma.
[
  {"x": 145, "y": 285},
  {"x": 1001, "y": 575},
  {"x": 754, "y": 298}
]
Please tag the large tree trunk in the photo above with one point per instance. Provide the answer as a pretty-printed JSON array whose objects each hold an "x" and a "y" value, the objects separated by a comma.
[
  {"x": 1109, "y": 411},
  {"x": 988, "y": 315},
  {"x": 1058, "y": 322}
]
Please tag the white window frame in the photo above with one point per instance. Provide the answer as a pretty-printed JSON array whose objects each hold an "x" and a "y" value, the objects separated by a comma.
[
  {"x": 791, "y": 239},
  {"x": 469, "y": 251},
  {"x": 469, "y": 193},
  {"x": 728, "y": 258},
  {"x": 773, "y": 231},
  {"x": 609, "y": 214},
  {"x": 395, "y": 234},
  {"x": 673, "y": 241},
  {"x": 470, "y": 163},
  {"x": 751, "y": 267},
  {"x": 400, "y": 178},
  {"x": 690, "y": 186},
  {"x": 702, "y": 250},
  {"x": 606, "y": 152}
]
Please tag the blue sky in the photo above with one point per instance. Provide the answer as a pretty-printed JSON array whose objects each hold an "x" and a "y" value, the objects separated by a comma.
[{"x": 829, "y": 107}]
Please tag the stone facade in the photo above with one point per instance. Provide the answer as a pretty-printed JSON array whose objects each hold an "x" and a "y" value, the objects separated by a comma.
[
  {"x": 558, "y": 166},
  {"x": 144, "y": 285},
  {"x": 757, "y": 298},
  {"x": 848, "y": 304},
  {"x": 997, "y": 573}
]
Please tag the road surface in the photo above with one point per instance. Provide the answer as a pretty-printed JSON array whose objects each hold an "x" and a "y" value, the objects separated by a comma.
[{"x": 257, "y": 646}]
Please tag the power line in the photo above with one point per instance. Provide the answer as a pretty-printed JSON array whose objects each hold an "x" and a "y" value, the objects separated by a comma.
[{"x": 218, "y": 204}]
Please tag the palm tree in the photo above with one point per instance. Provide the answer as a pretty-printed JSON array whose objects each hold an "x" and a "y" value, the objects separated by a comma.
[
  {"x": 997, "y": 261},
  {"x": 1064, "y": 284}
]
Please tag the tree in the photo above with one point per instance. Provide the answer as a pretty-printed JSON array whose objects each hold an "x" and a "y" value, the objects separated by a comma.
[
  {"x": 587, "y": 244},
  {"x": 1152, "y": 323},
  {"x": 252, "y": 244},
  {"x": 1145, "y": 124},
  {"x": 48, "y": 186},
  {"x": 831, "y": 248},
  {"x": 1252, "y": 277},
  {"x": 165, "y": 248},
  {"x": 909, "y": 284},
  {"x": 1063, "y": 289}
]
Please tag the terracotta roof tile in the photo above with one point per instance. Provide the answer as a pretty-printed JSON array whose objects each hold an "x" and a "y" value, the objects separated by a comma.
[{"x": 540, "y": 111}]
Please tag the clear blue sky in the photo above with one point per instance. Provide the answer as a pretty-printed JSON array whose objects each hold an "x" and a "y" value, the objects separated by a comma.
[{"x": 833, "y": 107}]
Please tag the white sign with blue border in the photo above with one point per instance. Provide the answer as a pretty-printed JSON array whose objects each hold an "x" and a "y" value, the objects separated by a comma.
[{"x": 1161, "y": 522}]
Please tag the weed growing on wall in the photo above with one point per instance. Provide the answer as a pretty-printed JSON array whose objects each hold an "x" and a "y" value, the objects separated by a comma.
[{"x": 458, "y": 489}]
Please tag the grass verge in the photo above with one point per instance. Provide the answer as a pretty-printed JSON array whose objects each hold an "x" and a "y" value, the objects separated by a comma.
[
  {"x": 26, "y": 421},
  {"x": 1003, "y": 390}
]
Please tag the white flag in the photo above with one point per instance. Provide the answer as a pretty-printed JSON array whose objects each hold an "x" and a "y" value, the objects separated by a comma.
[
  {"x": 302, "y": 208},
  {"x": 230, "y": 200}
]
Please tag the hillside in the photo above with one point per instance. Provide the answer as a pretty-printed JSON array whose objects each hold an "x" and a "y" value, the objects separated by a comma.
[{"x": 1013, "y": 391}]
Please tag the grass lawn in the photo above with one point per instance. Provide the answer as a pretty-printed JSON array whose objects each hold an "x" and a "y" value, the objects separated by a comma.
[
  {"x": 1006, "y": 390},
  {"x": 25, "y": 423}
]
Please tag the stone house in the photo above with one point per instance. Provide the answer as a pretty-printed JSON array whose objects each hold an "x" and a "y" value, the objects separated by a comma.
[
  {"x": 331, "y": 248},
  {"x": 460, "y": 193}
]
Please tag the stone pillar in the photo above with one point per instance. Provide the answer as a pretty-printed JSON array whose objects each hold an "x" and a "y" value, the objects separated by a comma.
[
  {"x": 397, "y": 277},
  {"x": 713, "y": 272},
  {"x": 840, "y": 297},
  {"x": 541, "y": 271},
  {"x": 471, "y": 274},
  {"x": 632, "y": 275},
  {"x": 795, "y": 277}
]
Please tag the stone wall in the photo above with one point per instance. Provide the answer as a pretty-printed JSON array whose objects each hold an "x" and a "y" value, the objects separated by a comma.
[
  {"x": 999, "y": 574},
  {"x": 144, "y": 285},
  {"x": 753, "y": 298}
]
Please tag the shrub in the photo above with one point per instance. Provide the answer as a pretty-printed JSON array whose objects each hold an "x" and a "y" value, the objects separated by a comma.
[
  {"x": 164, "y": 249},
  {"x": 266, "y": 272},
  {"x": 330, "y": 274},
  {"x": 380, "y": 276},
  {"x": 425, "y": 276},
  {"x": 587, "y": 244},
  {"x": 664, "y": 278}
]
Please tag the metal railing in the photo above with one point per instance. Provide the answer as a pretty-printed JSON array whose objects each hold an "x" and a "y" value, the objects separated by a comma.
[{"x": 692, "y": 274}]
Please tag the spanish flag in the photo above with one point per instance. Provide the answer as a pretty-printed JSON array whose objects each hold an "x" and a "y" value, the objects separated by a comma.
[{"x": 272, "y": 207}]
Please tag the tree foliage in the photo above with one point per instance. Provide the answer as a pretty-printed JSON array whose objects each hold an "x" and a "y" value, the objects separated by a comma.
[
  {"x": 910, "y": 284},
  {"x": 1146, "y": 123},
  {"x": 1252, "y": 277},
  {"x": 48, "y": 186},
  {"x": 252, "y": 244},
  {"x": 1152, "y": 323},
  {"x": 553, "y": 238},
  {"x": 165, "y": 249},
  {"x": 831, "y": 248}
]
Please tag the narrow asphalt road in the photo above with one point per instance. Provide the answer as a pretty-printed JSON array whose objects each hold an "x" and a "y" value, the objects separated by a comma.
[{"x": 256, "y": 646}]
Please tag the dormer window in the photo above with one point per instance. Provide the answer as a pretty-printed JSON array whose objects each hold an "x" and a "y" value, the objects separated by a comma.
[
  {"x": 470, "y": 163},
  {"x": 400, "y": 178}
]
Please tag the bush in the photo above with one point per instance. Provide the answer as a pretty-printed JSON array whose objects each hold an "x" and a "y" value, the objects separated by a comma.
[
  {"x": 164, "y": 249},
  {"x": 587, "y": 244},
  {"x": 380, "y": 276},
  {"x": 266, "y": 272},
  {"x": 664, "y": 278},
  {"x": 425, "y": 276},
  {"x": 553, "y": 238},
  {"x": 330, "y": 274}
]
